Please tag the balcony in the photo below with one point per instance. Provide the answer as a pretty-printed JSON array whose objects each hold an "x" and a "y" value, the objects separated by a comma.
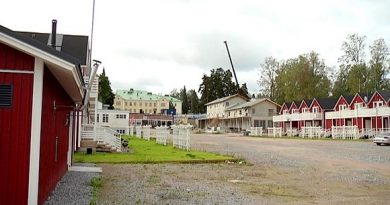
[
  {"x": 297, "y": 117},
  {"x": 362, "y": 112}
]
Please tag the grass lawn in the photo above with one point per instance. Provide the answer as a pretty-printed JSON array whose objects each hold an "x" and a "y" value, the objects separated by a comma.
[{"x": 143, "y": 151}]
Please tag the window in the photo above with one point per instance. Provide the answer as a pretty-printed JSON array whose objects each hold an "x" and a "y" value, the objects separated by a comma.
[
  {"x": 6, "y": 96},
  {"x": 285, "y": 112},
  {"x": 240, "y": 112},
  {"x": 150, "y": 104},
  {"x": 155, "y": 104},
  {"x": 120, "y": 116},
  {"x": 378, "y": 104},
  {"x": 315, "y": 109},
  {"x": 342, "y": 107},
  {"x": 294, "y": 111},
  {"x": 125, "y": 103},
  {"x": 118, "y": 103},
  {"x": 120, "y": 131},
  {"x": 271, "y": 112},
  {"x": 131, "y": 104},
  {"x": 270, "y": 123},
  {"x": 162, "y": 104},
  {"x": 253, "y": 110},
  {"x": 105, "y": 118},
  {"x": 146, "y": 104},
  {"x": 358, "y": 105},
  {"x": 226, "y": 104},
  {"x": 97, "y": 118},
  {"x": 304, "y": 110}
]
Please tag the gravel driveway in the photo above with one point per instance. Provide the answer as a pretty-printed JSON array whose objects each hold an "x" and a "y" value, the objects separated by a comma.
[{"x": 279, "y": 171}]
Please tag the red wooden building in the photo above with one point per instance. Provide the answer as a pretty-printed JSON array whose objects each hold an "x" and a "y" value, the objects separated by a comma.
[{"x": 40, "y": 88}]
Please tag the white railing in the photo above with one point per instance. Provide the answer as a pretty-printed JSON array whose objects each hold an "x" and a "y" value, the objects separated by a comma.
[
  {"x": 345, "y": 132},
  {"x": 256, "y": 131},
  {"x": 371, "y": 132},
  {"x": 131, "y": 130},
  {"x": 146, "y": 132},
  {"x": 162, "y": 135},
  {"x": 181, "y": 136},
  {"x": 298, "y": 117},
  {"x": 291, "y": 132},
  {"x": 102, "y": 135},
  {"x": 311, "y": 132},
  {"x": 138, "y": 131},
  {"x": 274, "y": 131}
]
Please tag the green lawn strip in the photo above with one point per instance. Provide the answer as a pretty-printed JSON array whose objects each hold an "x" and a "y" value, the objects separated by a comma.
[{"x": 143, "y": 151}]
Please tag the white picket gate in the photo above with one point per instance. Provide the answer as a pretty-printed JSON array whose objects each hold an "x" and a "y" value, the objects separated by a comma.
[
  {"x": 256, "y": 131},
  {"x": 146, "y": 132},
  {"x": 138, "y": 131},
  {"x": 274, "y": 131},
  {"x": 181, "y": 136},
  {"x": 345, "y": 132},
  {"x": 162, "y": 135},
  {"x": 311, "y": 132}
]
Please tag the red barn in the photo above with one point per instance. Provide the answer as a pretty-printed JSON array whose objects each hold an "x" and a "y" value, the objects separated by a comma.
[{"x": 40, "y": 88}]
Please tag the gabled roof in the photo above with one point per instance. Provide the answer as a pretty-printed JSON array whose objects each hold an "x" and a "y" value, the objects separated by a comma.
[
  {"x": 385, "y": 95},
  {"x": 307, "y": 102},
  {"x": 326, "y": 103},
  {"x": 366, "y": 96},
  {"x": 226, "y": 98},
  {"x": 39, "y": 45},
  {"x": 64, "y": 67},
  {"x": 250, "y": 104},
  {"x": 73, "y": 45},
  {"x": 348, "y": 99},
  {"x": 293, "y": 103}
]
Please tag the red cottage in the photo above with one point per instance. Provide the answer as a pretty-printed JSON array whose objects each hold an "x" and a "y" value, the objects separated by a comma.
[{"x": 40, "y": 89}]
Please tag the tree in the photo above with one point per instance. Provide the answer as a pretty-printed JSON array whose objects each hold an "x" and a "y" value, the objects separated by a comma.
[
  {"x": 193, "y": 102},
  {"x": 244, "y": 90},
  {"x": 352, "y": 75},
  {"x": 266, "y": 82},
  {"x": 218, "y": 85},
  {"x": 106, "y": 96},
  {"x": 184, "y": 100},
  {"x": 175, "y": 94},
  {"x": 378, "y": 66},
  {"x": 301, "y": 78}
]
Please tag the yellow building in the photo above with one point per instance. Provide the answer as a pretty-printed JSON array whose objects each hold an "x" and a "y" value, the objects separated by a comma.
[{"x": 140, "y": 101}]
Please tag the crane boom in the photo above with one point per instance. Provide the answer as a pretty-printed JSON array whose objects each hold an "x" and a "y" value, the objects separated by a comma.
[{"x": 231, "y": 63}]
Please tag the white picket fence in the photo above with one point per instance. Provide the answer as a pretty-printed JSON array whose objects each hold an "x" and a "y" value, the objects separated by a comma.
[
  {"x": 274, "y": 131},
  {"x": 138, "y": 131},
  {"x": 181, "y": 136},
  {"x": 131, "y": 130},
  {"x": 256, "y": 131},
  {"x": 311, "y": 132},
  {"x": 146, "y": 132},
  {"x": 162, "y": 135},
  {"x": 345, "y": 132}
]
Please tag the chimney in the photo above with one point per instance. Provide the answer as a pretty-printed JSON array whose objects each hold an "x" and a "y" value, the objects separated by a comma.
[{"x": 53, "y": 33}]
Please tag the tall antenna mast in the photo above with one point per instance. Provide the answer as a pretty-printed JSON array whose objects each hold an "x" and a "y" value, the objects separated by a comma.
[
  {"x": 90, "y": 49},
  {"x": 231, "y": 63}
]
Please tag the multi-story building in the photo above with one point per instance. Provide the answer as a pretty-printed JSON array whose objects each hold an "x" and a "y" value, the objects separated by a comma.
[
  {"x": 235, "y": 112},
  {"x": 139, "y": 101}
]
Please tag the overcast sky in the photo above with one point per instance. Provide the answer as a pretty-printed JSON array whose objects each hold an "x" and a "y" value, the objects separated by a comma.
[{"x": 159, "y": 45}]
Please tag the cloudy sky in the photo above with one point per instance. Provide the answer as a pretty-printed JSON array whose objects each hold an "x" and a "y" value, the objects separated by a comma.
[{"x": 159, "y": 45}]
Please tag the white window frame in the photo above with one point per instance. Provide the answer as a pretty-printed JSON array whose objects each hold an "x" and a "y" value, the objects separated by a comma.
[
  {"x": 342, "y": 107},
  {"x": 105, "y": 118},
  {"x": 305, "y": 110},
  {"x": 316, "y": 109},
  {"x": 378, "y": 103},
  {"x": 358, "y": 105}
]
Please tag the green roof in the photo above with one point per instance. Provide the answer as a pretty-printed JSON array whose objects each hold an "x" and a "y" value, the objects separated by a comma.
[{"x": 142, "y": 95}]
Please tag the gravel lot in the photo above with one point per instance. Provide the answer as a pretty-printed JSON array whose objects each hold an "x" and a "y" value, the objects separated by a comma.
[{"x": 279, "y": 171}]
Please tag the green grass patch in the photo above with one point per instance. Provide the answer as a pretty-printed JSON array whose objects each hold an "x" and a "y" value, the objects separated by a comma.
[
  {"x": 96, "y": 183},
  {"x": 142, "y": 151}
]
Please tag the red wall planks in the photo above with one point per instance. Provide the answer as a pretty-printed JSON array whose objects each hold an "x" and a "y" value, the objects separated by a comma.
[
  {"x": 54, "y": 125},
  {"x": 15, "y": 127}
]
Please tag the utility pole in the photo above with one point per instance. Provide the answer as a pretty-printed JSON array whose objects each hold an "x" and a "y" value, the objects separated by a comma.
[{"x": 231, "y": 63}]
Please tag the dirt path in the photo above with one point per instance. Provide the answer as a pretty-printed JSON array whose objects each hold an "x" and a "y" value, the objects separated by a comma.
[{"x": 281, "y": 171}]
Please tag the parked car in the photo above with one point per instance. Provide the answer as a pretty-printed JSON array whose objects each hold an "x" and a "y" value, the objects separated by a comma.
[{"x": 382, "y": 139}]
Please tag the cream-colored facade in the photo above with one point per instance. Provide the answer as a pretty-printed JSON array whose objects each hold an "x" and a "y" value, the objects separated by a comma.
[
  {"x": 136, "y": 101},
  {"x": 216, "y": 108}
]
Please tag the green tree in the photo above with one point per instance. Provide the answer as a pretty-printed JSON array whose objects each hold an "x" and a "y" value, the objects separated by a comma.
[
  {"x": 105, "y": 95},
  {"x": 352, "y": 75},
  {"x": 184, "y": 100},
  {"x": 244, "y": 90},
  {"x": 218, "y": 85},
  {"x": 267, "y": 73},
  {"x": 301, "y": 78},
  {"x": 378, "y": 66},
  {"x": 193, "y": 102}
]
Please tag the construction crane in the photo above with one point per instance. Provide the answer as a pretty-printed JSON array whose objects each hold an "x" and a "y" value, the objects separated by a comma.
[{"x": 231, "y": 63}]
